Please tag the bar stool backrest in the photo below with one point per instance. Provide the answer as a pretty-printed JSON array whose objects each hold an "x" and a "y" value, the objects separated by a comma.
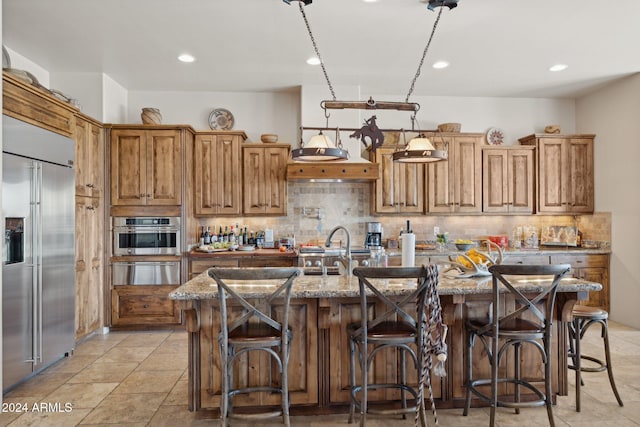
[
  {"x": 545, "y": 293},
  {"x": 282, "y": 279}
]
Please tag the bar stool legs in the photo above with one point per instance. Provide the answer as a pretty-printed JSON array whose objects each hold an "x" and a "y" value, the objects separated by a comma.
[{"x": 583, "y": 318}]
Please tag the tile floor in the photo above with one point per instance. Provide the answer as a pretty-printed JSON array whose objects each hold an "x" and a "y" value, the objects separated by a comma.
[{"x": 139, "y": 379}]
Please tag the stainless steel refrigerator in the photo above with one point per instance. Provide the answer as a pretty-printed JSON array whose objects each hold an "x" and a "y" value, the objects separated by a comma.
[{"x": 38, "y": 277}]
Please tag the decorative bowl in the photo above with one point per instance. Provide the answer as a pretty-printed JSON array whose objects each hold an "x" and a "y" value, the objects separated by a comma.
[
  {"x": 269, "y": 137},
  {"x": 464, "y": 246}
]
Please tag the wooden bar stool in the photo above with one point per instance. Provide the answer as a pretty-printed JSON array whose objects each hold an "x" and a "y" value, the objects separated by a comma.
[
  {"x": 254, "y": 327},
  {"x": 397, "y": 327},
  {"x": 528, "y": 320},
  {"x": 582, "y": 318}
]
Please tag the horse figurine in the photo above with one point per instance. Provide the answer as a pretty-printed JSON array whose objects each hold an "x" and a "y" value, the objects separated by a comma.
[{"x": 371, "y": 130}]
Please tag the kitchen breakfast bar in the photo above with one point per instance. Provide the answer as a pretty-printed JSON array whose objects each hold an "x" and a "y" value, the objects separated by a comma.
[{"x": 321, "y": 308}]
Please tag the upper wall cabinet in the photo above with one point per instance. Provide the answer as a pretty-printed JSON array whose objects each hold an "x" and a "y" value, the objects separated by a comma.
[
  {"x": 217, "y": 165},
  {"x": 89, "y": 162},
  {"x": 455, "y": 184},
  {"x": 146, "y": 166},
  {"x": 264, "y": 175},
  {"x": 37, "y": 106},
  {"x": 400, "y": 187},
  {"x": 507, "y": 180},
  {"x": 564, "y": 172}
]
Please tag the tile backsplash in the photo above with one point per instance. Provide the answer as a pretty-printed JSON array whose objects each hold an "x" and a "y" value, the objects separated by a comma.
[{"x": 315, "y": 208}]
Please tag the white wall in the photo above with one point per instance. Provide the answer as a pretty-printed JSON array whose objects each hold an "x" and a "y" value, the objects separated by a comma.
[
  {"x": 254, "y": 112},
  {"x": 612, "y": 114},
  {"x": 114, "y": 102}
]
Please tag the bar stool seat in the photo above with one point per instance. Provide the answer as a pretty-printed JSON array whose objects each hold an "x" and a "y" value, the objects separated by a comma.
[{"x": 582, "y": 318}]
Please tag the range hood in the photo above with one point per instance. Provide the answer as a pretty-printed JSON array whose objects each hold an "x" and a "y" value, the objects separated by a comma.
[{"x": 334, "y": 171}]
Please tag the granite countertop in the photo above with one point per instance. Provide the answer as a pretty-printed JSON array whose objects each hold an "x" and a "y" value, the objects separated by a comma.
[
  {"x": 515, "y": 252},
  {"x": 203, "y": 287}
]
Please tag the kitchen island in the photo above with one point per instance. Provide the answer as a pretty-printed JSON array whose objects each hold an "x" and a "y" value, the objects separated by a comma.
[{"x": 321, "y": 307}]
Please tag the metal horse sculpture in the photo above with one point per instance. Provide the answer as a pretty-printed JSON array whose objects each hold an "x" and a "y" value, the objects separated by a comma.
[{"x": 371, "y": 130}]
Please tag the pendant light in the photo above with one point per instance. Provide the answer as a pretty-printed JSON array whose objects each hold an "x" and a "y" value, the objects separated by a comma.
[
  {"x": 419, "y": 150},
  {"x": 320, "y": 148}
]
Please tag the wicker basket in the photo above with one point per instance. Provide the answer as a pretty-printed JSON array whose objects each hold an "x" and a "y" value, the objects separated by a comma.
[{"x": 449, "y": 127}]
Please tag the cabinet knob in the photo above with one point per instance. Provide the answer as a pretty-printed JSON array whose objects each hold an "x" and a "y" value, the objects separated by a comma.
[
  {"x": 149, "y": 196},
  {"x": 90, "y": 208},
  {"x": 145, "y": 306},
  {"x": 90, "y": 185}
]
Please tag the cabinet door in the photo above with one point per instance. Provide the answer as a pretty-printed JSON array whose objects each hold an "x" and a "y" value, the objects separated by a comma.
[
  {"x": 580, "y": 175},
  {"x": 217, "y": 180},
  {"x": 88, "y": 266},
  {"x": 164, "y": 167},
  {"x": 400, "y": 188},
  {"x": 89, "y": 162},
  {"x": 507, "y": 183},
  {"x": 264, "y": 174},
  {"x": 128, "y": 167},
  {"x": 590, "y": 267},
  {"x": 455, "y": 185},
  {"x": 552, "y": 175},
  {"x": 467, "y": 174}
]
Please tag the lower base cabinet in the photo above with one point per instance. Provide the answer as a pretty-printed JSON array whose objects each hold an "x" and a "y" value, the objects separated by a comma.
[
  {"x": 143, "y": 305},
  {"x": 589, "y": 267}
]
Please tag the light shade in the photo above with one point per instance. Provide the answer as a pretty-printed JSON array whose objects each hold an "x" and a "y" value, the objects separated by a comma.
[
  {"x": 319, "y": 148},
  {"x": 419, "y": 150}
]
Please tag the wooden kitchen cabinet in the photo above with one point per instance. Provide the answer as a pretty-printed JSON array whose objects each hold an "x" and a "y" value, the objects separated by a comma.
[
  {"x": 507, "y": 180},
  {"x": 264, "y": 178},
  {"x": 257, "y": 368},
  {"x": 400, "y": 187},
  {"x": 455, "y": 184},
  {"x": 89, "y": 265},
  {"x": 146, "y": 166},
  {"x": 334, "y": 314},
  {"x": 565, "y": 180},
  {"x": 89, "y": 163},
  {"x": 590, "y": 267},
  {"x": 217, "y": 173}
]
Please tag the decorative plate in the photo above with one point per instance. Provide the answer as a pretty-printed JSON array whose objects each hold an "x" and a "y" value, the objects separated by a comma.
[
  {"x": 221, "y": 119},
  {"x": 495, "y": 136}
]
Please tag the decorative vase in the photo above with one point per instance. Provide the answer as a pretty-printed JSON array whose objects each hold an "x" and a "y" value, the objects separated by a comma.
[{"x": 151, "y": 116}]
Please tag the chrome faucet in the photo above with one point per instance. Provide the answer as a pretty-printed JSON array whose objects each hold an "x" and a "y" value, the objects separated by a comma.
[{"x": 346, "y": 258}]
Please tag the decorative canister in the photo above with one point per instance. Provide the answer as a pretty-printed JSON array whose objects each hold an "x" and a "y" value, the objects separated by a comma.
[{"x": 151, "y": 116}]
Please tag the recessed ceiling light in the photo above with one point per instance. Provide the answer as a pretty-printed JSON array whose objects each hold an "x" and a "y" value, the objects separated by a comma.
[
  {"x": 440, "y": 64},
  {"x": 313, "y": 61},
  {"x": 558, "y": 67},
  {"x": 369, "y": 1},
  {"x": 185, "y": 57}
]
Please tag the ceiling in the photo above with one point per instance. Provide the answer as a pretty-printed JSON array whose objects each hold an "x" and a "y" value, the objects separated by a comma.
[{"x": 496, "y": 48}]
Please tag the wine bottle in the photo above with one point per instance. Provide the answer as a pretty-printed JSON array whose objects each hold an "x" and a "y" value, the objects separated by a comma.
[
  {"x": 202, "y": 236},
  {"x": 207, "y": 237}
]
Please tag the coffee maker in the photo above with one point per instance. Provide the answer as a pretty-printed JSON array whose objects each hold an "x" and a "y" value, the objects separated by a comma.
[{"x": 374, "y": 235}]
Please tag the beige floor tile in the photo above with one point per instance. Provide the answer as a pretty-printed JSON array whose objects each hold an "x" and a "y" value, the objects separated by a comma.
[
  {"x": 171, "y": 416},
  {"x": 83, "y": 395},
  {"x": 126, "y": 354},
  {"x": 125, "y": 408},
  {"x": 41, "y": 385},
  {"x": 15, "y": 407},
  {"x": 46, "y": 419},
  {"x": 104, "y": 373},
  {"x": 144, "y": 339},
  {"x": 148, "y": 382},
  {"x": 178, "y": 394},
  {"x": 73, "y": 364},
  {"x": 164, "y": 361}
]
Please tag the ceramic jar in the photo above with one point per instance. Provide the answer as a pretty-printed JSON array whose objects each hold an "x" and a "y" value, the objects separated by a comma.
[{"x": 151, "y": 116}]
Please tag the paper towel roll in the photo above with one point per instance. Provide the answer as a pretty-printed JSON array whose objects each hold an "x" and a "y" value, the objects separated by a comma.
[{"x": 408, "y": 250}]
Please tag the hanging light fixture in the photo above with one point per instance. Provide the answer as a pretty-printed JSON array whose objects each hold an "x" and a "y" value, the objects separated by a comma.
[
  {"x": 419, "y": 150},
  {"x": 320, "y": 148}
]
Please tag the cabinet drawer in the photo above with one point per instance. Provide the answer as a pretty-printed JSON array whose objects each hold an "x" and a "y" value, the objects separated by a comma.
[
  {"x": 526, "y": 259},
  {"x": 199, "y": 266},
  {"x": 143, "y": 305},
  {"x": 578, "y": 261}
]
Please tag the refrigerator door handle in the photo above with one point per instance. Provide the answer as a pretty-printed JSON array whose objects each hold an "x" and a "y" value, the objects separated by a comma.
[{"x": 37, "y": 254}]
